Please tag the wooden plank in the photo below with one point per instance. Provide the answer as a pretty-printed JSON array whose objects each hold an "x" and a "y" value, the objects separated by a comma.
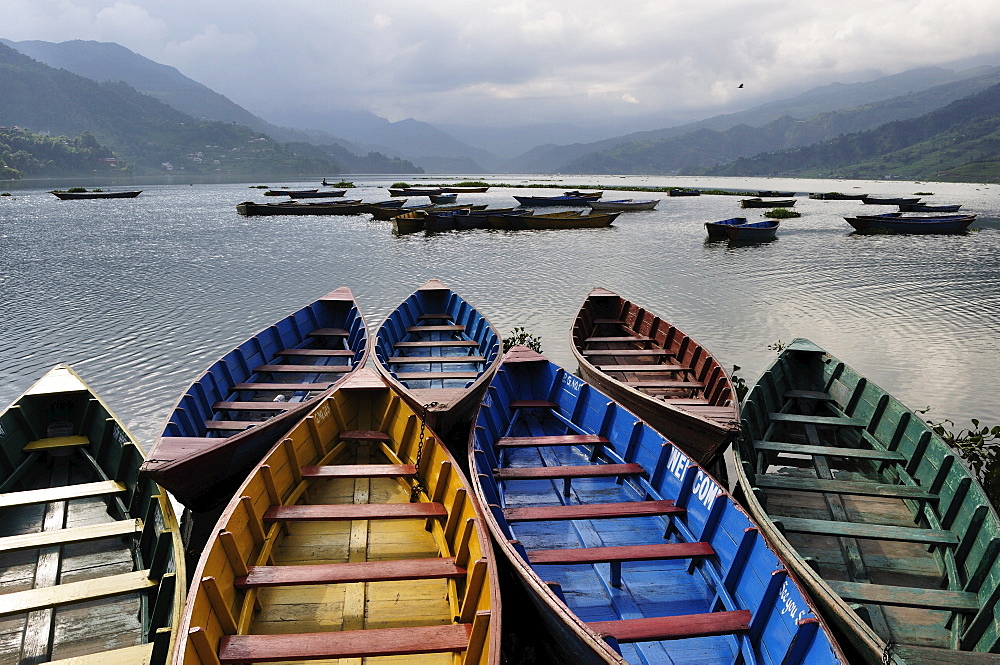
[
  {"x": 274, "y": 386},
  {"x": 141, "y": 654},
  {"x": 350, "y": 511},
  {"x": 55, "y": 442},
  {"x": 832, "y": 421},
  {"x": 582, "y": 471},
  {"x": 407, "y": 360},
  {"x": 78, "y": 534},
  {"x": 675, "y": 627},
  {"x": 431, "y": 376},
  {"x": 909, "y": 653},
  {"x": 870, "y": 531},
  {"x": 655, "y": 552},
  {"x": 829, "y": 451},
  {"x": 627, "y": 352},
  {"x": 360, "y": 471},
  {"x": 345, "y": 573},
  {"x": 624, "y": 338},
  {"x": 552, "y": 440},
  {"x": 592, "y": 511},
  {"x": 431, "y": 317},
  {"x": 303, "y": 369},
  {"x": 809, "y": 394},
  {"x": 62, "y": 493},
  {"x": 344, "y": 644},
  {"x": 75, "y": 592},
  {"x": 231, "y": 425},
  {"x": 655, "y": 383},
  {"x": 844, "y": 487},
  {"x": 254, "y": 406},
  {"x": 328, "y": 332},
  {"x": 435, "y": 344},
  {"x": 900, "y": 596},
  {"x": 532, "y": 404},
  {"x": 442, "y": 328},
  {"x": 364, "y": 435},
  {"x": 317, "y": 353},
  {"x": 650, "y": 367}
]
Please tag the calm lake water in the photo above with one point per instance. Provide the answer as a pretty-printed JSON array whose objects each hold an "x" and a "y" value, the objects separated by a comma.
[{"x": 141, "y": 295}]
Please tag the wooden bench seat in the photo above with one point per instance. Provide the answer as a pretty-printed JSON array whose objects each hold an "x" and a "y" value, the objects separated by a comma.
[
  {"x": 623, "y": 338},
  {"x": 656, "y": 383},
  {"x": 808, "y": 394},
  {"x": 255, "y": 406},
  {"x": 432, "y": 317},
  {"x": 75, "y": 592},
  {"x": 901, "y": 596},
  {"x": 56, "y": 442},
  {"x": 303, "y": 369},
  {"x": 78, "y": 534},
  {"x": 654, "y": 552},
  {"x": 608, "y": 322},
  {"x": 433, "y": 376},
  {"x": 345, "y": 573},
  {"x": 231, "y": 425},
  {"x": 830, "y": 421},
  {"x": 592, "y": 511},
  {"x": 830, "y": 451},
  {"x": 328, "y": 332},
  {"x": 141, "y": 654},
  {"x": 627, "y": 352},
  {"x": 862, "y": 530},
  {"x": 432, "y": 328},
  {"x": 435, "y": 344},
  {"x": 364, "y": 435},
  {"x": 344, "y": 644},
  {"x": 408, "y": 360},
  {"x": 675, "y": 627},
  {"x": 274, "y": 386},
  {"x": 61, "y": 493},
  {"x": 317, "y": 353},
  {"x": 651, "y": 367},
  {"x": 360, "y": 471},
  {"x": 552, "y": 440},
  {"x": 888, "y": 490},
  {"x": 533, "y": 404},
  {"x": 581, "y": 471},
  {"x": 350, "y": 511}
]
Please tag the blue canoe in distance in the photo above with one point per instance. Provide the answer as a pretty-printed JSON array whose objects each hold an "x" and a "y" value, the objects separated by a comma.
[
  {"x": 933, "y": 224},
  {"x": 438, "y": 351},
  {"x": 245, "y": 401},
  {"x": 629, "y": 550},
  {"x": 564, "y": 200},
  {"x": 718, "y": 230},
  {"x": 753, "y": 232}
]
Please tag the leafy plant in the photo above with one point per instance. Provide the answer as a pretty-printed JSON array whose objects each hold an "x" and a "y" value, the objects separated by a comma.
[
  {"x": 520, "y": 337},
  {"x": 778, "y": 346},
  {"x": 345, "y": 184},
  {"x": 77, "y": 190},
  {"x": 400, "y": 185},
  {"x": 259, "y": 187},
  {"x": 978, "y": 445},
  {"x": 782, "y": 213}
]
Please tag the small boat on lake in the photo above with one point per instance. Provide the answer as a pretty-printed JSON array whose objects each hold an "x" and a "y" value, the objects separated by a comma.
[
  {"x": 245, "y": 401},
  {"x": 629, "y": 550},
  {"x": 446, "y": 197},
  {"x": 898, "y": 223},
  {"x": 439, "y": 352},
  {"x": 624, "y": 205},
  {"x": 289, "y": 192},
  {"x": 761, "y": 203},
  {"x": 553, "y": 221},
  {"x": 349, "y": 207},
  {"x": 91, "y": 552},
  {"x": 586, "y": 195},
  {"x": 876, "y": 200},
  {"x": 415, "y": 191},
  {"x": 874, "y": 512},
  {"x": 564, "y": 200},
  {"x": 95, "y": 194},
  {"x": 318, "y": 194},
  {"x": 767, "y": 193},
  {"x": 679, "y": 191},
  {"x": 837, "y": 196},
  {"x": 927, "y": 207},
  {"x": 356, "y": 537},
  {"x": 657, "y": 372},
  {"x": 753, "y": 231},
  {"x": 463, "y": 189},
  {"x": 717, "y": 230}
]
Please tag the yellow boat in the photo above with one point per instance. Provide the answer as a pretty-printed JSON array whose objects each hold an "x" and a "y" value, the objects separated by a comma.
[
  {"x": 91, "y": 554},
  {"x": 357, "y": 536}
]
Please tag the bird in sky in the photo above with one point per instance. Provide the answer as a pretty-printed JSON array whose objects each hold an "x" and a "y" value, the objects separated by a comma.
[{"x": 740, "y": 85}]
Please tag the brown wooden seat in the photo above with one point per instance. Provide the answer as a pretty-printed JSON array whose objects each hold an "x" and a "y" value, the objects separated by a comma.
[
  {"x": 344, "y": 573},
  {"x": 430, "y": 328},
  {"x": 553, "y": 440},
  {"x": 627, "y": 352},
  {"x": 360, "y": 471},
  {"x": 275, "y": 386},
  {"x": 651, "y": 367},
  {"x": 624, "y": 338},
  {"x": 434, "y": 344},
  {"x": 350, "y": 511},
  {"x": 344, "y": 644},
  {"x": 432, "y": 376},
  {"x": 581, "y": 471},
  {"x": 675, "y": 627},
  {"x": 231, "y": 425},
  {"x": 435, "y": 359},
  {"x": 432, "y": 317},
  {"x": 328, "y": 332},
  {"x": 318, "y": 353},
  {"x": 254, "y": 406},
  {"x": 658, "y": 383},
  {"x": 303, "y": 369},
  {"x": 532, "y": 404},
  {"x": 592, "y": 511},
  {"x": 364, "y": 435}
]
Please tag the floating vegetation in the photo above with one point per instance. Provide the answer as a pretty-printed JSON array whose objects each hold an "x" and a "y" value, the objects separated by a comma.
[
  {"x": 6, "y": 194},
  {"x": 782, "y": 213},
  {"x": 260, "y": 187}
]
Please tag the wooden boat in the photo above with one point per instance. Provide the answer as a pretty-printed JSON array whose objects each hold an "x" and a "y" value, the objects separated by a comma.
[
  {"x": 253, "y": 209},
  {"x": 761, "y": 203},
  {"x": 318, "y": 194},
  {"x": 444, "y": 197},
  {"x": 753, "y": 231},
  {"x": 940, "y": 224},
  {"x": 881, "y": 520},
  {"x": 91, "y": 552},
  {"x": 624, "y": 205},
  {"x": 717, "y": 230},
  {"x": 679, "y": 191},
  {"x": 837, "y": 196},
  {"x": 471, "y": 189},
  {"x": 415, "y": 191},
  {"x": 767, "y": 193},
  {"x": 357, "y": 536},
  {"x": 73, "y": 196},
  {"x": 656, "y": 371},
  {"x": 926, "y": 207},
  {"x": 564, "y": 200},
  {"x": 536, "y": 222},
  {"x": 439, "y": 352},
  {"x": 586, "y": 195},
  {"x": 245, "y": 401},
  {"x": 629, "y": 550},
  {"x": 288, "y": 192},
  {"x": 875, "y": 200}
]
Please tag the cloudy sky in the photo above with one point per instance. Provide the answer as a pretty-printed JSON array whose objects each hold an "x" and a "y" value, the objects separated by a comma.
[{"x": 518, "y": 61}]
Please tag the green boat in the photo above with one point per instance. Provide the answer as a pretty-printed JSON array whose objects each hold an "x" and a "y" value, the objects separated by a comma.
[
  {"x": 883, "y": 522},
  {"x": 91, "y": 555}
]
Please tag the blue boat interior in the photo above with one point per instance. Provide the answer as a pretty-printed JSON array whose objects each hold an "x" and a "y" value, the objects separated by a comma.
[
  {"x": 718, "y": 569},
  {"x": 285, "y": 363}
]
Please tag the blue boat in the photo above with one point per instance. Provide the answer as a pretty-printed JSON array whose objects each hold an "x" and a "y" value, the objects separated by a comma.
[
  {"x": 565, "y": 200},
  {"x": 439, "y": 353},
  {"x": 753, "y": 232},
  {"x": 244, "y": 402},
  {"x": 938, "y": 224},
  {"x": 629, "y": 550},
  {"x": 717, "y": 230}
]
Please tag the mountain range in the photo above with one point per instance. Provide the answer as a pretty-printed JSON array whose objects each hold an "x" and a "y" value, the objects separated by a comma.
[{"x": 145, "y": 105}]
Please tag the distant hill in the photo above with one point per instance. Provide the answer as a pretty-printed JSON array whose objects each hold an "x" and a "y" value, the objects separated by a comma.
[
  {"x": 904, "y": 95},
  {"x": 24, "y": 154},
  {"x": 960, "y": 142}
]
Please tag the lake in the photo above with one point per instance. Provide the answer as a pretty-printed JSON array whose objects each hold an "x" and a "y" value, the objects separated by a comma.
[{"x": 141, "y": 295}]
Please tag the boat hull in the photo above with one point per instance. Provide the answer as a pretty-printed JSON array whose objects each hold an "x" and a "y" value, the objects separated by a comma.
[
  {"x": 919, "y": 226},
  {"x": 753, "y": 232},
  {"x": 718, "y": 230},
  {"x": 627, "y": 205},
  {"x": 74, "y": 196},
  {"x": 761, "y": 203}
]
